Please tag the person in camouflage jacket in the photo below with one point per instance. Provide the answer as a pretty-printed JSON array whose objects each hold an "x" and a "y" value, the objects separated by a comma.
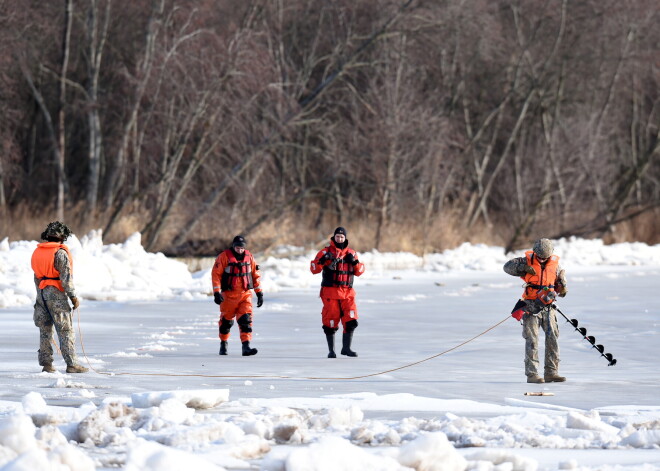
[
  {"x": 52, "y": 265},
  {"x": 544, "y": 281}
]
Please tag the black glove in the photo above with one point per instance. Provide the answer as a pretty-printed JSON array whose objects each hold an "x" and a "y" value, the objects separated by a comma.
[
  {"x": 260, "y": 299},
  {"x": 218, "y": 297},
  {"x": 326, "y": 257},
  {"x": 529, "y": 269},
  {"x": 350, "y": 258}
]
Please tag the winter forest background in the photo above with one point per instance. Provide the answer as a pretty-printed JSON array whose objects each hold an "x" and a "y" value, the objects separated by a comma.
[{"x": 417, "y": 124}]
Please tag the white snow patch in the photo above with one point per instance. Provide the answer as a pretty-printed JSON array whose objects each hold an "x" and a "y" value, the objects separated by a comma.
[{"x": 197, "y": 399}]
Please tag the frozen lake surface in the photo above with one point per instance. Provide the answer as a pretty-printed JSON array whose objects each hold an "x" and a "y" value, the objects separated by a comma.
[{"x": 162, "y": 398}]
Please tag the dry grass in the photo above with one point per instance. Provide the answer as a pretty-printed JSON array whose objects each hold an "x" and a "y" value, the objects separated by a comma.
[
  {"x": 407, "y": 236},
  {"x": 643, "y": 228},
  {"x": 25, "y": 223}
]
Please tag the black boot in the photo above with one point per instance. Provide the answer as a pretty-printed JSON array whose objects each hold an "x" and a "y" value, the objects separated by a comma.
[
  {"x": 247, "y": 351},
  {"x": 331, "y": 345},
  {"x": 223, "y": 347},
  {"x": 346, "y": 340}
]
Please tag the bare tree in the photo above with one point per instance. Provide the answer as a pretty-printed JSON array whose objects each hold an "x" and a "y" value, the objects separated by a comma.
[
  {"x": 66, "y": 40},
  {"x": 97, "y": 36}
]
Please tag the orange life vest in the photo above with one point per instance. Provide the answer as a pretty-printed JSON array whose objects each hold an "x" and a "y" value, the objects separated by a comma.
[
  {"x": 43, "y": 264},
  {"x": 237, "y": 274},
  {"x": 343, "y": 274},
  {"x": 544, "y": 280}
]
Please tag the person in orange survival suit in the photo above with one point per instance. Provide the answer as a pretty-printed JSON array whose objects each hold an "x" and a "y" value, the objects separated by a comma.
[
  {"x": 339, "y": 265},
  {"x": 235, "y": 274}
]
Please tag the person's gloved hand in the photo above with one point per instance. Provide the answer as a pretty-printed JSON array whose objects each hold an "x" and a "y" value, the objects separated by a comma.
[
  {"x": 518, "y": 314},
  {"x": 561, "y": 284},
  {"x": 326, "y": 257},
  {"x": 350, "y": 258},
  {"x": 518, "y": 310},
  {"x": 529, "y": 269},
  {"x": 75, "y": 302},
  {"x": 260, "y": 299},
  {"x": 218, "y": 298}
]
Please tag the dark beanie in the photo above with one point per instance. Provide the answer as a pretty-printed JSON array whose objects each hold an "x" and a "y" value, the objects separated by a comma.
[
  {"x": 340, "y": 230},
  {"x": 239, "y": 241}
]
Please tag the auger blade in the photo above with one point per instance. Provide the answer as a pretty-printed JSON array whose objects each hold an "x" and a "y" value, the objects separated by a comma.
[{"x": 589, "y": 338}]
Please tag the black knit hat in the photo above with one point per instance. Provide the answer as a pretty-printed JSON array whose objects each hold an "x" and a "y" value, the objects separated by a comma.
[
  {"x": 56, "y": 230},
  {"x": 340, "y": 230},
  {"x": 239, "y": 241}
]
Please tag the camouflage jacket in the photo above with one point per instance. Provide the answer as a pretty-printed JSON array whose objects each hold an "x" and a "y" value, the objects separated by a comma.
[{"x": 516, "y": 267}]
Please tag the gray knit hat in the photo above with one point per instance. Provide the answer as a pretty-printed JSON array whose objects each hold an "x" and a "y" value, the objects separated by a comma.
[{"x": 543, "y": 248}]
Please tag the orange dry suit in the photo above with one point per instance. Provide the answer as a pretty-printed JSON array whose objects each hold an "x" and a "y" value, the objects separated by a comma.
[
  {"x": 337, "y": 290},
  {"x": 542, "y": 285},
  {"x": 236, "y": 279},
  {"x": 43, "y": 264}
]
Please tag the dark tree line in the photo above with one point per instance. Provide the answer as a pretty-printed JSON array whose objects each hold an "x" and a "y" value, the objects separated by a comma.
[{"x": 418, "y": 124}]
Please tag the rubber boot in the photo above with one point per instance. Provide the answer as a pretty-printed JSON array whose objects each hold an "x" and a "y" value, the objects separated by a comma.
[
  {"x": 331, "y": 345},
  {"x": 346, "y": 339},
  {"x": 247, "y": 351},
  {"x": 49, "y": 368},
  {"x": 223, "y": 347},
  {"x": 76, "y": 369}
]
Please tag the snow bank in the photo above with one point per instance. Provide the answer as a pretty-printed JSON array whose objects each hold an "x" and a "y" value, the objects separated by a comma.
[
  {"x": 20, "y": 450},
  {"x": 336, "y": 454},
  {"x": 114, "y": 272},
  {"x": 149, "y": 456},
  {"x": 126, "y": 272},
  {"x": 431, "y": 452},
  {"x": 166, "y": 435},
  {"x": 499, "y": 460}
]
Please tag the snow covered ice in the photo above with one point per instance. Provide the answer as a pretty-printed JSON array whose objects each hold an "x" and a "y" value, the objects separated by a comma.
[{"x": 160, "y": 397}]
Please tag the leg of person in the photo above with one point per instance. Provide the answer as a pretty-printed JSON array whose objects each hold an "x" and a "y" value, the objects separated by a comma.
[
  {"x": 224, "y": 327},
  {"x": 531, "y": 336},
  {"x": 228, "y": 310},
  {"x": 349, "y": 318},
  {"x": 244, "y": 320},
  {"x": 245, "y": 325},
  {"x": 45, "y": 353},
  {"x": 63, "y": 320},
  {"x": 330, "y": 315},
  {"x": 551, "y": 330}
]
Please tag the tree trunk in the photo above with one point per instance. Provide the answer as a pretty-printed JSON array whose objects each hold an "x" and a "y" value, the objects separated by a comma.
[
  {"x": 66, "y": 40},
  {"x": 50, "y": 127},
  {"x": 96, "y": 43},
  {"x": 117, "y": 169}
]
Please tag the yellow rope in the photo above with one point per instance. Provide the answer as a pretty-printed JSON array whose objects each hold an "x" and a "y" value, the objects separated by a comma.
[
  {"x": 82, "y": 345},
  {"x": 57, "y": 349}
]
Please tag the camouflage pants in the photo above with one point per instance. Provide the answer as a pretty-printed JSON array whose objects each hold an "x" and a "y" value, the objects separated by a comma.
[
  {"x": 546, "y": 319},
  {"x": 56, "y": 313}
]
